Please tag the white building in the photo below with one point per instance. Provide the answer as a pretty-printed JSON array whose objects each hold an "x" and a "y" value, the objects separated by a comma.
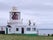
[{"x": 15, "y": 25}]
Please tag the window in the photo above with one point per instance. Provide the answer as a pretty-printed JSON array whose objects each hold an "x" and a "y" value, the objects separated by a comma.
[
  {"x": 17, "y": 29},
  {"x": 33, "y": 29},
  {"x": 28, "y": 29},
  {"x": 9, "y": 30}
]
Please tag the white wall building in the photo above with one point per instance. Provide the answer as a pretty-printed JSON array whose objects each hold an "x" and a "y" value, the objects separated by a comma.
[{"x": 15, "y": 25}]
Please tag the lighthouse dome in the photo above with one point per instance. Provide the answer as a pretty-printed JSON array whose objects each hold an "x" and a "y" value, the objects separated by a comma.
[{"x": 14, "y": 9}]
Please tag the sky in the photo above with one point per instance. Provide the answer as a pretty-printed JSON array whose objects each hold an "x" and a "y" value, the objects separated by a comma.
[{"x": 38, "y": 11}]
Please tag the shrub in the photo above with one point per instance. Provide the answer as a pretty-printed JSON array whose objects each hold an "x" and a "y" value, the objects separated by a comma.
[
  {"x": 52, "y": 35},
  {"x": 48, "y": 34}
]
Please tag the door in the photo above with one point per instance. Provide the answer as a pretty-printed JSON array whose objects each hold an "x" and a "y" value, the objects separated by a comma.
[
  {"x": 6, "y": 30},
  {"x": 22, "y": 30}
]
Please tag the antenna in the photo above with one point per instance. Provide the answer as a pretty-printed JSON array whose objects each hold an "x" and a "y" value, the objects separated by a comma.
[{"x": 29, "y": 22}]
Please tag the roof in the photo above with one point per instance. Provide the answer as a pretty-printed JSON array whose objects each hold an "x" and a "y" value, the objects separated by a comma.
[{"x": 14, "y": 9}]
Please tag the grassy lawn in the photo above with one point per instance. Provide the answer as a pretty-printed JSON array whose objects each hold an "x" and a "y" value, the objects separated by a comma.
[{"x": 24, "y": 37}]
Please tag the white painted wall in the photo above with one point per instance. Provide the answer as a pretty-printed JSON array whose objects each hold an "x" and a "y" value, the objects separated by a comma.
[
  {"x": 31, "y": 31},
  {"x": 13, "y": 30}
]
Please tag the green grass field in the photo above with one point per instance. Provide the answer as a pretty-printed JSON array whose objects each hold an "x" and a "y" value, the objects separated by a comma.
[{"x": 24, "y": 37}]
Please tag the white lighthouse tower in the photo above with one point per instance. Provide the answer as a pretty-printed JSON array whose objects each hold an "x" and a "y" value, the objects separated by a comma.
[
  {"x": 14, "y": 24},
  {"x": 14, "y": 16}
]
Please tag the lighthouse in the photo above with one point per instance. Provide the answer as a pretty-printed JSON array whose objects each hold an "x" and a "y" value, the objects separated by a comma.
[
  {"x": 15, "y": 22},
  {"x": 14, "y": 14},
  {"x": 16, "y": 26}
]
